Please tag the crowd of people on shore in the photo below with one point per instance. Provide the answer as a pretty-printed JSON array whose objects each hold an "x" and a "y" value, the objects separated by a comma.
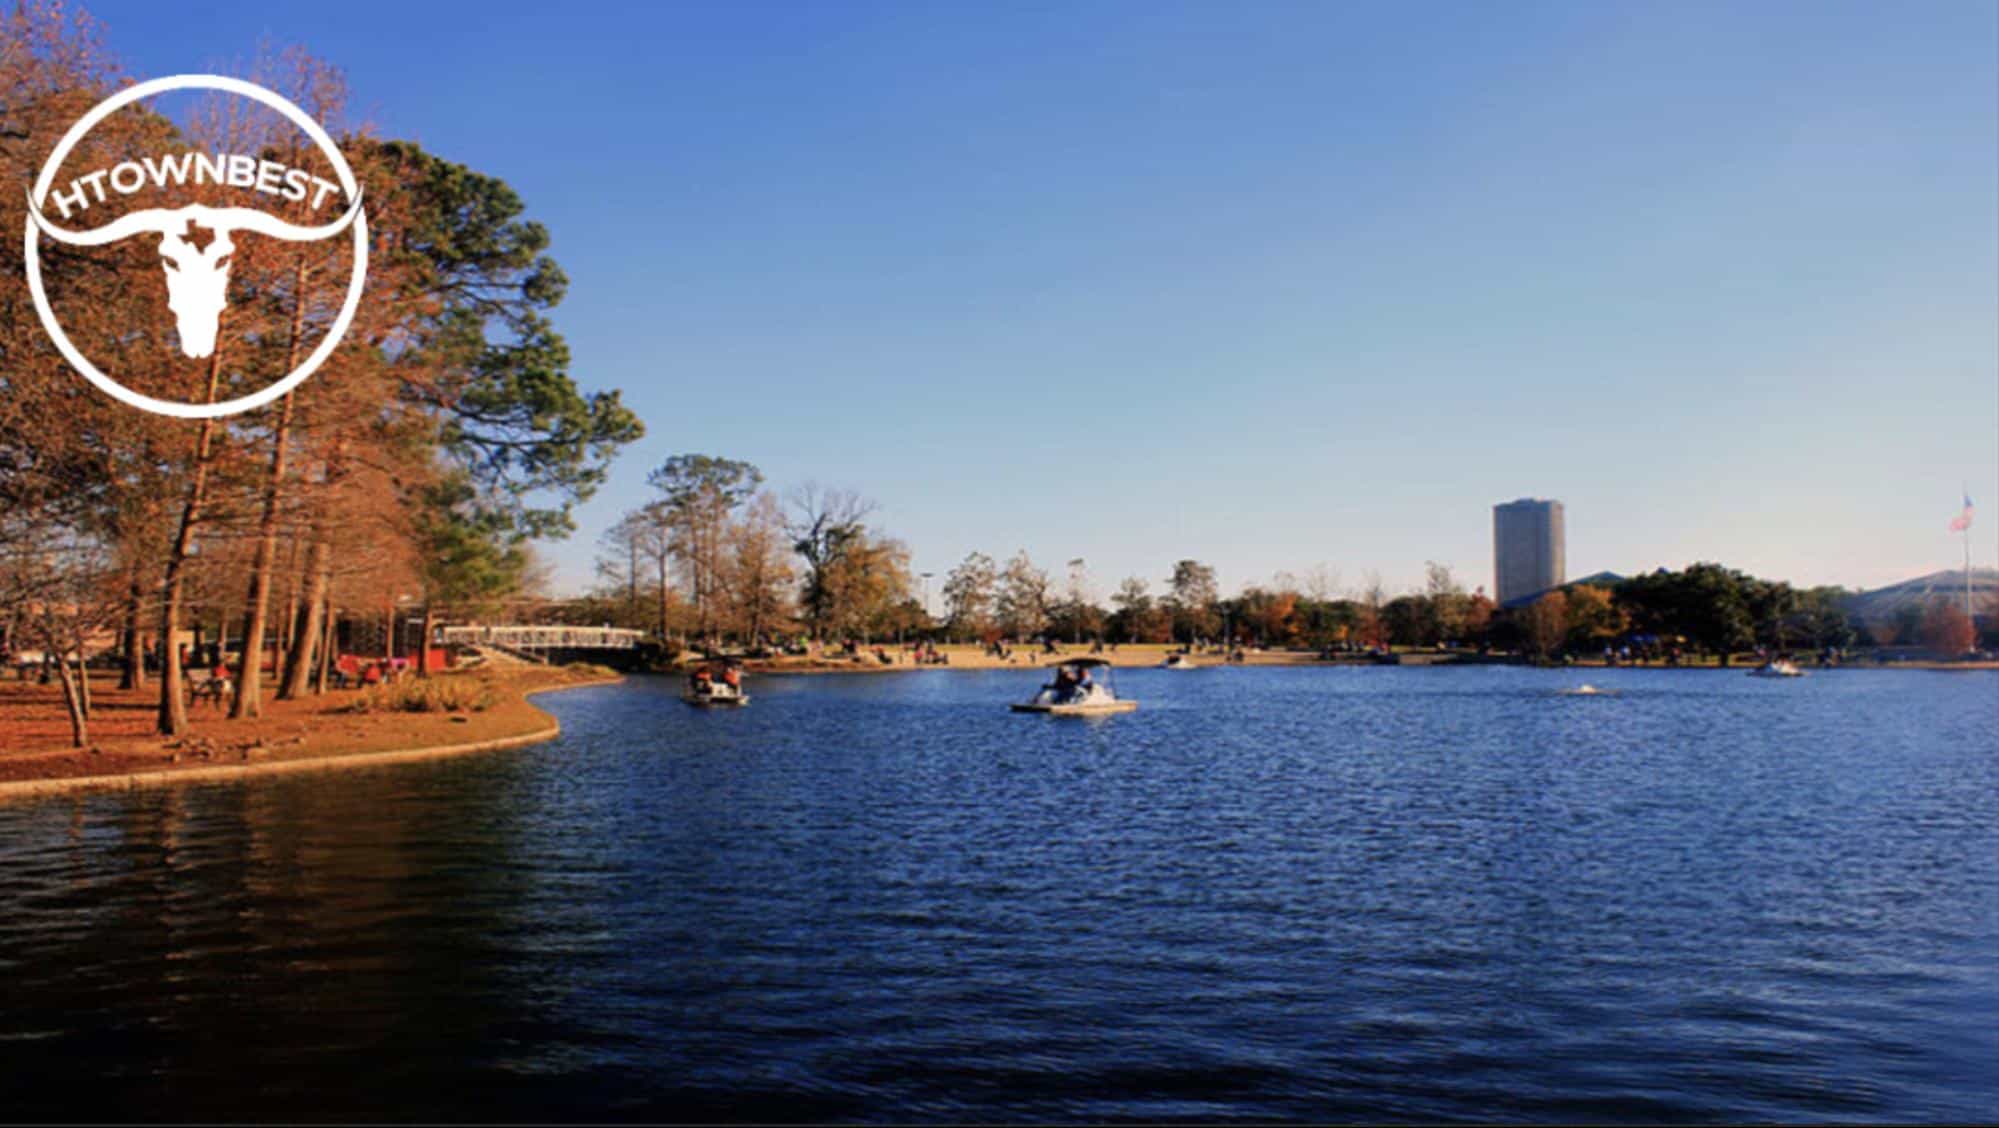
[{"x": 211, "y": 672}]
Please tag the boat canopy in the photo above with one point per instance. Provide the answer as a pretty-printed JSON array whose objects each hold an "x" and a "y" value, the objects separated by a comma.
[{"x": 1080, "y": 663}]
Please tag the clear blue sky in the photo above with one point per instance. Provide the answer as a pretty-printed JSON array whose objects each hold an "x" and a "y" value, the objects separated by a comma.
[{"x": 1264, "y": 284}]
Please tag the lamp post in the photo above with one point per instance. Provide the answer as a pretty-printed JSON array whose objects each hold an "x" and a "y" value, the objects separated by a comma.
[{"x": 1076, "y": 574}]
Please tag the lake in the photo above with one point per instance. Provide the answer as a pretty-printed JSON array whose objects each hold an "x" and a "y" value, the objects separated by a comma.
[{"x": 1375, "y": 893}]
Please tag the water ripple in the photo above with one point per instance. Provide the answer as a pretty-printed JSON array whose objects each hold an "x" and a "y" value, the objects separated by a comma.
[{"x": 1381, "y": 894}]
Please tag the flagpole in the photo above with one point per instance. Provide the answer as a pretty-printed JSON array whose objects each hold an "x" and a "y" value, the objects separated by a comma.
[{"x": 1967, "y": 571}]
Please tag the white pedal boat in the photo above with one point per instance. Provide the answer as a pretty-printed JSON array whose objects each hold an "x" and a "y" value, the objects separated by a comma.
[
  {"x": 1776, "y": 669},
  {"x": 710, "y": 687},
  {"x": 1077, "y": 692}
]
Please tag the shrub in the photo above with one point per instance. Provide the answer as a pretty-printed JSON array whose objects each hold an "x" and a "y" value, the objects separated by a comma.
[
  {"x": 425, "y": 695},
  {"x": 588, "y": 670}
]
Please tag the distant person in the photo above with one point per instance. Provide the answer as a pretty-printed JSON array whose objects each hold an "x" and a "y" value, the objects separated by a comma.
[{"x": 215, "y": 687}]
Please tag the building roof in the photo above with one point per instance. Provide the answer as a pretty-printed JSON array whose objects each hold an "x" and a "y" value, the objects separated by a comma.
[
  {"x": 1594, "y": 579},
  {"x": 1886, "y": 601}
]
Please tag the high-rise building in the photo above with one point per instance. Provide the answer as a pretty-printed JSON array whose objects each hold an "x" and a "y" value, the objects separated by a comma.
[{"x": 1528, "y": 553}]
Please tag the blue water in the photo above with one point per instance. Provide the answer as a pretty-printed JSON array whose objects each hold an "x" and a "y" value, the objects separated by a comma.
[{"x": 1375, "y": 893}]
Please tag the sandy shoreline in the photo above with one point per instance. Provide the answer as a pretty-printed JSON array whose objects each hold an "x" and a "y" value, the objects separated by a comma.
[
  {"x": 970, "y": 657},
  {"x": 1141, "y": 655}
]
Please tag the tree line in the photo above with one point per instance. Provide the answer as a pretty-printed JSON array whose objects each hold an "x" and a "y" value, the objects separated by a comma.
[
  {"x": 714, "y": 557},
  {"x": 1706, "y": 610},
  {"x": 1711, "y": 610}
]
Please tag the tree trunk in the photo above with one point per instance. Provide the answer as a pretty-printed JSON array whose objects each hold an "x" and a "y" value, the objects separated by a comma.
[
  {"x": 134, "y": 676},
  {"x": 250, "y": 686},
  {"x": 299, "y": 663},
  {"x": 325, "y": 645},
  {"x": 697, "y": 564},
  {"x": 173, "y": 704},
  {"x": 662, "y": 599},
  {"x": 288, "y": 624},
  {"x": 83, "y": 679},
  {"x": 423, "y": 644},
  {"x": 79, "y": 727}
]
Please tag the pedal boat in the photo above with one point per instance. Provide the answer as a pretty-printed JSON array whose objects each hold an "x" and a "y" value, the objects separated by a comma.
[{"x": 1070, "y": 695}]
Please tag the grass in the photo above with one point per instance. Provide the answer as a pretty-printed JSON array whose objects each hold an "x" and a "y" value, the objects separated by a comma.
[
  {"x": 588, "y": 671},
  {"x": 466, "y": 694}
]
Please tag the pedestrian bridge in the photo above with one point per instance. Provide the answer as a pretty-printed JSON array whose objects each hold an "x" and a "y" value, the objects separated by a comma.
[{"x": 543, "y": 638}]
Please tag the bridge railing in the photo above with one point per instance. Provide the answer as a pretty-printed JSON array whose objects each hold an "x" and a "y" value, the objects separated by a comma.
[{"x": 544, "y": 638}]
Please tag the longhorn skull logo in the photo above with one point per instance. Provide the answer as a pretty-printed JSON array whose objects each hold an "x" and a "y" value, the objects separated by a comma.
[
  {"x": 196, "y": 245},
  {"x": 197, "y": 271}
]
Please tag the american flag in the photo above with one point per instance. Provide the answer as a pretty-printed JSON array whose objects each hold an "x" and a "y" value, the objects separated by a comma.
[{"x": 1962, "y": 521}]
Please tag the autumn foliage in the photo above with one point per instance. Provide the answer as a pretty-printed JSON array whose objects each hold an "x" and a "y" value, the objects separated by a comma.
[{"x": 443, "y": 434}]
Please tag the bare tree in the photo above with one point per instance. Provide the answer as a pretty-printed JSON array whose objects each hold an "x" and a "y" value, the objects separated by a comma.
[
  {"x": 1547, "y": 624},
  {"x": 620, "y": 560},
  {"x": 1194, "y": 593},
  {"x": 971, "y": 595},
  {"x": 1023, "y": 597},
  {"x": 756, "y": 570},
  {"x": 64, "y": 593},
  {"x": 1449, "y": 606},
  {"x": 1078, "y": 609},
  {"x": 1322, "y": 583},
  {"x": 826, "y": 526},
  {"x": 699, "y": 494}
]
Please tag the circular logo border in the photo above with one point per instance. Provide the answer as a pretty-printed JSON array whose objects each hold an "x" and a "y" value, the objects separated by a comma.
[{"x": 173, "y": 408}]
